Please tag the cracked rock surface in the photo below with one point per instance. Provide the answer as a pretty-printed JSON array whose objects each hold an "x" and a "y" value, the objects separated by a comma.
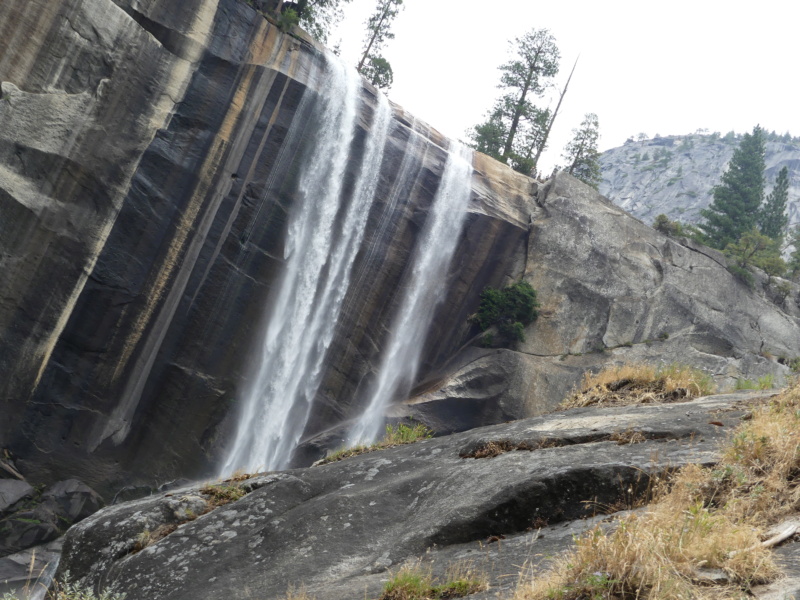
[{"x": 337, "y": 528}]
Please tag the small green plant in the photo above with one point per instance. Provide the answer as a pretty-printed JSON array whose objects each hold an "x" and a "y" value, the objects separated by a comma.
[
  {"x": 414, "y": 582},
  {"x": 66, "y": 590},
  {"x": 394, "y": 436},
  {"x": 221, "y": 494},
  {"x": 766, "y": 382},
  {"x": 745, "y": 384},
  {"x": 509, "y": 309}
]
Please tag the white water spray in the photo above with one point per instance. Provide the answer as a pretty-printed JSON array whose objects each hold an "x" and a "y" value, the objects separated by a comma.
[
  {"x": 324, "y": 235},
  {"x": 424, "y": 290}
]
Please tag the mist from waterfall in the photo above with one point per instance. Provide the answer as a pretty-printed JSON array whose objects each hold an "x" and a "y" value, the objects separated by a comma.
[
  {"x": 325, "y": 231},
  {"x": 424, "y": 290}
]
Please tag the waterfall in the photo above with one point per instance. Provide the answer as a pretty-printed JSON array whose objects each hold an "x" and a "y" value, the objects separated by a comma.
[
  {"x": 325, "y": 231},
  {"x": 425, "y": 288}
]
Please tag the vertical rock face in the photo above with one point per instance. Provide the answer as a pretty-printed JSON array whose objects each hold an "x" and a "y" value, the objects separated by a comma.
[{"x": 146, "y": 173}]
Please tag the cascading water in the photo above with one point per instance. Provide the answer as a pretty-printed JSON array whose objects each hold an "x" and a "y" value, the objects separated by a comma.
[
  {"x": 424, "y": 290},
  {"x": 324, "y": 235}
]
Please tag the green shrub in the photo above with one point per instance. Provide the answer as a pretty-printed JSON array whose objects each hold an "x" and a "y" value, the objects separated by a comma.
[
  {"x": 66, "y": 590},
  {"x": 509, "y": 309},
  {"x": 754, "y": 250},
  {"x": 288, "y": 19}
]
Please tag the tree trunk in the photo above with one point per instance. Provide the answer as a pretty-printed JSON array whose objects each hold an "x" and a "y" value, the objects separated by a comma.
[
  {"x": 518, "y": 110},
  {"x": 541, "y": 147},
  {"x": 374, "y": 36},
  {"x": 515, "y": 121}
]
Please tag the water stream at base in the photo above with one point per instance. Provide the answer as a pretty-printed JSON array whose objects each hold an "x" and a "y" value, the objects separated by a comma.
[{"x": 425, "y": 289}]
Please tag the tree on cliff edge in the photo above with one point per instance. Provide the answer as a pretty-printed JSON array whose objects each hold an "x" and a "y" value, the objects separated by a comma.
[
  {"x": 319, "y": 17},
  {"x": 516, "y": 130},
  {"x": 737, "y": 199},
  {"x": 772, "y": 218},
  {"x": 372, "y": 65},
  {"x": 581, "y": 152}
]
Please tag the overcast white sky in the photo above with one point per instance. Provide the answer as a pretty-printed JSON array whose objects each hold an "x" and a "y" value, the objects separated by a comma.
[{"x": 660, "y": 68}]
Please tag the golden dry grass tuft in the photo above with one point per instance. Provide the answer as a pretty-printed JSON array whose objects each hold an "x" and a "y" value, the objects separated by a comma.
[
  {"x": 705, "y": 518},
  {"x": 640, "y": 383},
  {"x": 300, "y": 593},
  {"x": 494, "y": 448},
  {"x": 393, "y": 436},
  {"x": 148, "y": 538}
]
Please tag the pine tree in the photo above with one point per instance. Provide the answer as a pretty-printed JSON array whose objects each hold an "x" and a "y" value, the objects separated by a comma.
[
  {"x": 581, "y": 152},
  {"x": 794, "y": 257},
  {"x": 318, "y": 17},
  {"x": 372, "y": 65},
  {"x": 378, "y": 72},
  {"x": 738, "y": 197},
  {"x": 515, "y": 122},
  {"x": 772, "y": 218}
]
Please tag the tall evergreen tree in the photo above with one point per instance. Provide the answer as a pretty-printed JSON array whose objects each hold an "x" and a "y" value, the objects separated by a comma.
[
  {"x": 379, "y": 29},
  {"x": 794, "y": 257},
  {"x": 738, "y": 197},
  {"x": 516, "y": 130},
  {"x": 581, "y": 152},
  {"x": 772, "y": 218}
]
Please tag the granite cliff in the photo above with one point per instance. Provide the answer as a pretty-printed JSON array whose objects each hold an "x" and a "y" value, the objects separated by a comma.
[
  {"x": 150, "y": 153},
  {"x": 146, "y": 174}
]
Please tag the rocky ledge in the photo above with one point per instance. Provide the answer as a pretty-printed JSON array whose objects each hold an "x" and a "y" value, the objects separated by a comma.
[{"x": 496, "y": 497}]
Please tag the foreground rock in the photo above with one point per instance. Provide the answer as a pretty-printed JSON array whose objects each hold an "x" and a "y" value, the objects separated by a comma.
[{"x": 337, "y": 528}]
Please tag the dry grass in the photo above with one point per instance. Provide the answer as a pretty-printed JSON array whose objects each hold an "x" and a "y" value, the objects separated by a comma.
[
  {"x": 148, "y": 538},
  {"x": 297, "y": 594},
  {"x": 394, "y": 436},
  {"x": 640, "y": 383},
  {"x": 497, "y": 447},
  {"x": 629, "y": 436},
  {"x": 706, "y": 518},
  {"x": 415, "y": 582}
]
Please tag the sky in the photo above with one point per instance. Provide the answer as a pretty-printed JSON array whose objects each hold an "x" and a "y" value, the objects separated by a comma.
[{"x": 667, "y": 68}]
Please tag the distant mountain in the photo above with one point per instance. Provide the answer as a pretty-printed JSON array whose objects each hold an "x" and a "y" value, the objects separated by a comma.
[{"x": 675, "y": 175}]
